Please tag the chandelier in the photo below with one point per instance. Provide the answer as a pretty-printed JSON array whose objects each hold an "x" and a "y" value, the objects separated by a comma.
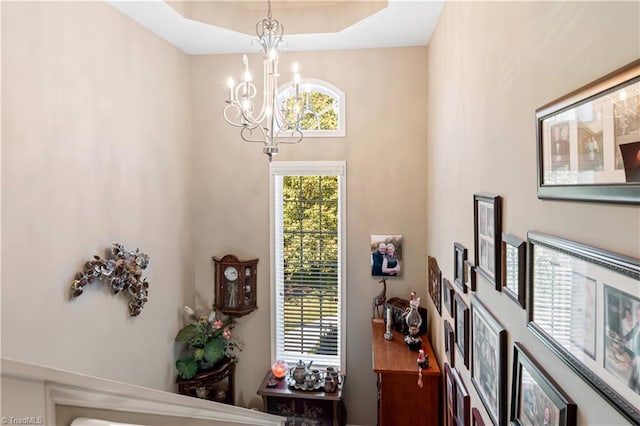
[{"x": 274, "y": 120}]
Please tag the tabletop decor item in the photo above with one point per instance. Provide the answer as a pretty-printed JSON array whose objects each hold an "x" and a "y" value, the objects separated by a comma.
[
  {"x": 279, "y": 369},
  {"x": 588, "y": 141},
  {"x": 209, "y": 341},
  {"x": 123, "y": 272},
  {"x": 414, "y": 321},
  {"x": 379, "y": 300},
  {"x": 423, "y": 362},
  {"x": 388, "y": 334}
]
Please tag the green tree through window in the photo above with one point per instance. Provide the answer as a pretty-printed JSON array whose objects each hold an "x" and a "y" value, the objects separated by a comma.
[{"x": 308, "y": 221}]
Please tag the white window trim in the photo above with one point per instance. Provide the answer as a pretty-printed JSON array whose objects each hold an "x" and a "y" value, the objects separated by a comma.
[
  {"x": 331, "y": 90},
  {"x": 315, "y": 168}
]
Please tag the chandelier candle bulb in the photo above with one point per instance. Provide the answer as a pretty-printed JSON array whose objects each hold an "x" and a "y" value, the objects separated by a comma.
[{"x": 230, "y": 84}]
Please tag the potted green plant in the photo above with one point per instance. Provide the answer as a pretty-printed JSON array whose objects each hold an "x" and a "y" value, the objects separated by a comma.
[{"x": 209, "y": 341}]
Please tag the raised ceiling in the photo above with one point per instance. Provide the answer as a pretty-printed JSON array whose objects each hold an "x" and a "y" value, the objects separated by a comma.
[{"x": 211, "y": 27}]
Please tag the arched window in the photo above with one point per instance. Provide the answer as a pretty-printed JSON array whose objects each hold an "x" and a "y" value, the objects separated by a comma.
[{"x": 327, "y": 104}]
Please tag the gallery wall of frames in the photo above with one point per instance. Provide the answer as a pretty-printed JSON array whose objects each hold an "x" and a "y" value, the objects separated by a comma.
[{"x": 581, "y": 302}]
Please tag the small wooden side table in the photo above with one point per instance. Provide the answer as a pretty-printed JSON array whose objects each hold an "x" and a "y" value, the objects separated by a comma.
[
  {"x": 301, "y": 407},
  {"x": 211, "y": 384}
]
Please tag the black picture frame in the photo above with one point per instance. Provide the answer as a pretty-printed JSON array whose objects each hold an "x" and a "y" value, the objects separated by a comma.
[
  {"x": 459, "y": 256},
  {"x": 514, "y": 268},
  {"x": 487, "y": 227},
  {"x": 450, "y": 395},
  {"x": 435, "y": 283},
  {"x": 588, "y": 141},
  {"x": 447, "y": 293},
  {"x": 470, "y": 275},
  {"x": 449, "y": 342},
  {"x": 463, "y": 401},
  {"x": 535, "y": 396},
  {"x": 476, "y": 417},
  {"x": 582, "y": 273},
  {"x": 461, "y": 311},
  {"x": 489, "y": 361}
]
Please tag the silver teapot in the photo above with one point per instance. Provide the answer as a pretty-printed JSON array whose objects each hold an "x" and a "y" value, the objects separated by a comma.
[{"x": 299, "y": 372}]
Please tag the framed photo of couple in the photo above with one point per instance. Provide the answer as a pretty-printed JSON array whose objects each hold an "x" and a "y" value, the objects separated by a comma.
[
  {"x": 589, "y": 141},
  {"x": 386, "y": 255},
  {"x": 584, "y": 304},
  {"x": 535, "y": 397}
]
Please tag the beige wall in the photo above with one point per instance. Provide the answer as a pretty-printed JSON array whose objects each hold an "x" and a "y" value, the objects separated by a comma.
[
  {"x": 385, "y": 153},
  {"x": 490, "y": 66},
  {"x": 110, "y": 134},
  {"x": 95, "y": 149}
]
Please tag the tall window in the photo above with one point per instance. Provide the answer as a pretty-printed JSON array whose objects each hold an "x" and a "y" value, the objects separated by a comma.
[
  {"x": 308, "y": 262},
  {"x": 327, "y": 103}
]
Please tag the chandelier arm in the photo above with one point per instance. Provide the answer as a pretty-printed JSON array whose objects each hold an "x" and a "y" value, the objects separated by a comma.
[
  {"x": 250, "y": 131},
  {"x": 294, "y": 134}
]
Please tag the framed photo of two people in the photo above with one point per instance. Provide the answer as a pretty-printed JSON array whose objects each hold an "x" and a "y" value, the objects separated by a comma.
[
  {"x": 589, "y": 141},
  {"x": 386, "y": 255}
]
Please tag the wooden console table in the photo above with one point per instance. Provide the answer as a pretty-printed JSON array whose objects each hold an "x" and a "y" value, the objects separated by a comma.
[
  {"x": 400, "y": 400},
  {"x": 316, "y": 408},
  {"x": 211, "y": 384}
]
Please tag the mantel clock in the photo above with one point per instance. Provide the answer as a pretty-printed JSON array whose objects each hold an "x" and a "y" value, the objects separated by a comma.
[{"x": 235, "y": 285}]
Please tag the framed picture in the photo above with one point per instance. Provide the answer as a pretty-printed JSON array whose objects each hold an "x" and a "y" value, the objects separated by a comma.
[
  {"x": 535, "y": 398},
  {"x": 487, "y": 217},
  {"x": 386, "y": 255},
  {"x": 469, "y": 275},
  {"x": 449, "y": 342},
  {"x": 447, "y": 293},
  {"x": 462, "y": 328},
  {"x": 459, "y": 256},
  {"x": 463, "y": 401},
  {"x": 435, "y": 282},
  {"x": 589, "y": 141},
  {"x": 582, "y": 301},
  {"x": 450, "y": 402},
  {"x": 476, "y": 417},
  {"x": 514, "y": 268},
  {"x": 489, "y": 361}
]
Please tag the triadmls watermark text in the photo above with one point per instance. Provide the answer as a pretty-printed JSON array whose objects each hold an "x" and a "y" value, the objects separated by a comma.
[{"x": 27, "y": 420}]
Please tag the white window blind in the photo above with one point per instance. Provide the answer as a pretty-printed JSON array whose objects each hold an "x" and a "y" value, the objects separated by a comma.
[{"x": 308, "y": 258}]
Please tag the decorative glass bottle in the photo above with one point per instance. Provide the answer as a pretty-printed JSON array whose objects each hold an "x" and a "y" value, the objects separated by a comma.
[{"x": 414, "y": 321}]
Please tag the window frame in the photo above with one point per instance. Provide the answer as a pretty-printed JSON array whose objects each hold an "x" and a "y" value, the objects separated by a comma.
[
  {"x": 329, "y": 89},
  {"x": 310, "y": 168}
]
